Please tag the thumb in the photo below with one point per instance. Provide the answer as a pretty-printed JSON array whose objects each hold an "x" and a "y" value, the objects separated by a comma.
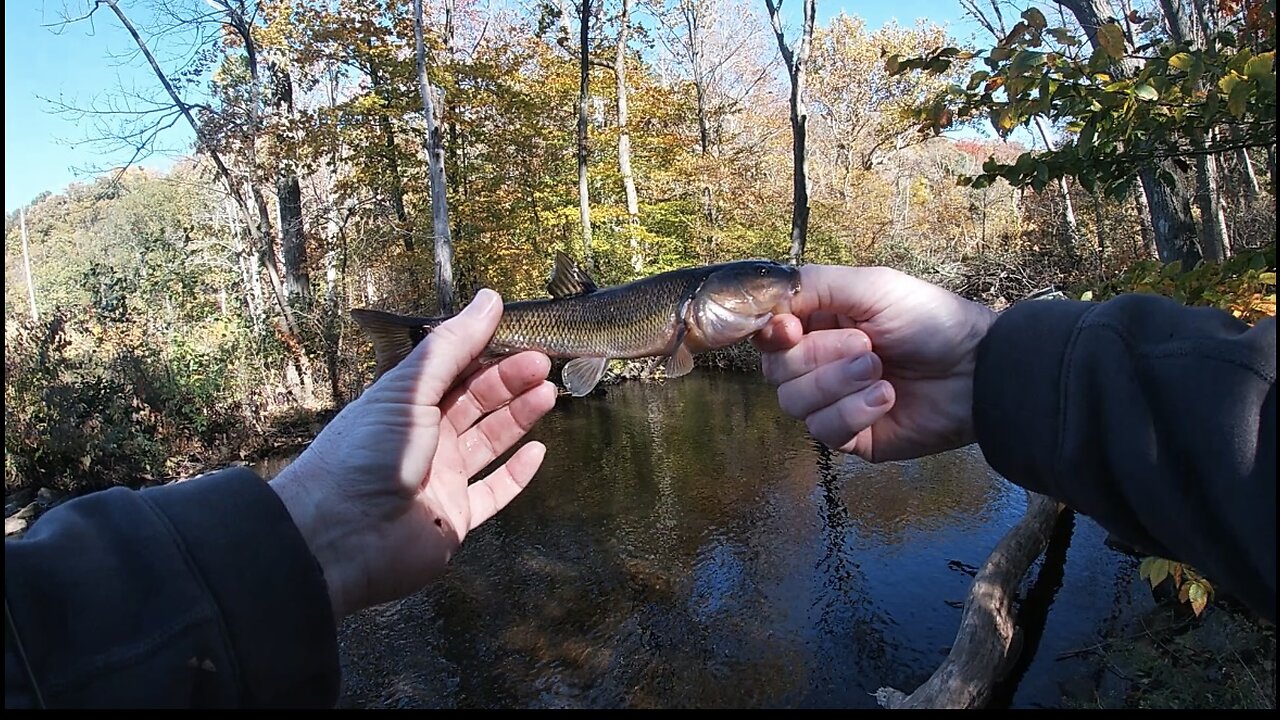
[
  {"x": 452, "y": 346},
  {"x": 857, "y": 293}
]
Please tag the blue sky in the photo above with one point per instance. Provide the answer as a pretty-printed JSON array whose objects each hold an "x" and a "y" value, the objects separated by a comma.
[{"x": 45, "y": 151}]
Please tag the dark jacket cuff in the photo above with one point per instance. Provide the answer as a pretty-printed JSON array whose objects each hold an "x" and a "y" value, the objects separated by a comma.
[
  {"x": 1017, "y": 388},
  {"x": 269, "y": 589}
]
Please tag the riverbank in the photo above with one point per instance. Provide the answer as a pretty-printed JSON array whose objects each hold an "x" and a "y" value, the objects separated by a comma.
[{"x": 1166, "y": 658}]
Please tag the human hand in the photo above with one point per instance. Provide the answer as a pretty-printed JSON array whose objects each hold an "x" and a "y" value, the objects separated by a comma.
[
  {"x": 382, "y": 494},
  {"x": 876, "y": 362}
]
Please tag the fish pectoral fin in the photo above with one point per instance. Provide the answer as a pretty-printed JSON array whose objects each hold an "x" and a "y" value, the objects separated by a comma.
[
  {"x": 680, "y": 362},
  {"x": 393, "y": 336},
  {"x": 581, "y": 375},
  {"x": 568, "y": 279}
]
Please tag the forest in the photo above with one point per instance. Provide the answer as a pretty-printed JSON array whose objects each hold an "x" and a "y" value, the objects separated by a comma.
[{"x": 402, "y": 155}]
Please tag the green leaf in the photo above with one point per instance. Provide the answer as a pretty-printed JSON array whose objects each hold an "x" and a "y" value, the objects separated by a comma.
[
  {"x": 1087, "y": 296},
  {"x": 1239, "y": 98},
  {"x": 1034, "y": 18},
  {"x": 1003, "y": 120},
  {"x": 1064, "y": 36},
  {"x": 1267, "y": 278},
  {"x": 1181, "y": 61},
  {"x": 1146, "y": 92},
  {"x": 977, "y": 79},
  {"x": 1086, "y": 135},
  {"x": 1259, "y": 66},
  {"x": 1111, "y": 40}
]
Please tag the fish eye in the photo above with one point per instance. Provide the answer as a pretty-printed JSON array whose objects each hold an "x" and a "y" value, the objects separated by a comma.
[{"x": 764, "y": 271}]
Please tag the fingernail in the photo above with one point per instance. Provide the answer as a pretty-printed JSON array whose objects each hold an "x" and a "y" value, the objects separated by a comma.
[
  {"x": 862, "y": 368},
  {"x": 878, "y": 395},
  {"x": 483, "y": 301}
]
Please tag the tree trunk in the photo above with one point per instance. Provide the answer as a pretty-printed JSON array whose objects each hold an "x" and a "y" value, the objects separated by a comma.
[
  {"x": 796, "y": 60},
  {"x": 989, "y": 640},
  {"x": 692, "y": 13},
  {"x": 1252, "y": 190},
  {"x": 435, "y": 164},
  {"x": 293, "y": 241},
  {"x": 692, "y": 20},
  {"x": 624, "y": 131},
  {"x": 392, "y": 158},
  {"x": 26, "y": 265},
  {"x": 624, "y": 136},
  {"x": 247, "y": 262},
  {"x": 584, "y": 86},
  {"x": 1173, "y": 227},
  {"x": 1214, "y": 240},
  {"x": 1144, "y": 224},
  {"x": 1068, "y": 211}
]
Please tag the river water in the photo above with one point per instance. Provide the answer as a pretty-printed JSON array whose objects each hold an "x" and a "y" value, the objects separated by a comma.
[{"x": 685, "y": 545}]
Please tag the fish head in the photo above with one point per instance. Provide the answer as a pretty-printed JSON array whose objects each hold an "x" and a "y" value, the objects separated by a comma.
[{"x": 737, "y": 299}]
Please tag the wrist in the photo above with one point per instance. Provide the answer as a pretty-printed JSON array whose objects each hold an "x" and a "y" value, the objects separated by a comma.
[
  {"x": 980, "y": 321},
  {"x": 323, "y": 536}
]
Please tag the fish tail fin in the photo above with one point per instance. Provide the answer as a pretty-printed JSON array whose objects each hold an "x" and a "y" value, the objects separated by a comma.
[{"x": 393, "y": 336}]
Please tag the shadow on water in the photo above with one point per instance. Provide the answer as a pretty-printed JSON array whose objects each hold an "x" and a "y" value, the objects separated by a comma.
[
  {"x": 1033, "y": 610},
  {"x": 685, "y": 545}
]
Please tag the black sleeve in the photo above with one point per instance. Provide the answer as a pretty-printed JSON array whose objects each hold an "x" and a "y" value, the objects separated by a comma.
[
  {"x": 198, "y": 594},
  {"x": 1155, "y": 419}
]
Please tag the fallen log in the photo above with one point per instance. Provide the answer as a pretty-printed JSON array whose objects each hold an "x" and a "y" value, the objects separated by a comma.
[{"x": 988, "y": 641}]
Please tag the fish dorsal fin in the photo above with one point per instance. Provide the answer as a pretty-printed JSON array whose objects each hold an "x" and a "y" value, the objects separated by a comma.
[
  {"x": 679, "y": 363},
  {"x": 582, "y": 374},
  {"x": 569, "y": 279}
]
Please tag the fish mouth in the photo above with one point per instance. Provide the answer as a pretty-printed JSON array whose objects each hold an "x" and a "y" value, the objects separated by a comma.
[{"x": 784, "y": 303}]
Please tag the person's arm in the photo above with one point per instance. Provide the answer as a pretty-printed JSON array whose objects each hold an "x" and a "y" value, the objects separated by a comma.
[
  {"x": 198, "y": 594},
  {"x": 1157, "y": 420},
  {"x": 223, "y": 591}
]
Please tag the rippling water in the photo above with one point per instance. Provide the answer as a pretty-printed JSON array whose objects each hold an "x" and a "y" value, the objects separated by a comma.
[{"x": 685, "y": 545}]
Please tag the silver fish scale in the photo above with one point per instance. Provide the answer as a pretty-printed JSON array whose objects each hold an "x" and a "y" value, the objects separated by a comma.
[{"x": 628, "y": 321}]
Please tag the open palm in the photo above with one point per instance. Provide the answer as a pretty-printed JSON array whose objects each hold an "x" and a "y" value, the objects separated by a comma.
[{"x": 383, "y": 495}]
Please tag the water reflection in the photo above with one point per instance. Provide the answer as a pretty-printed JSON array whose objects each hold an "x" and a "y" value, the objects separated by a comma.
[{"x": 687, "y": 546}]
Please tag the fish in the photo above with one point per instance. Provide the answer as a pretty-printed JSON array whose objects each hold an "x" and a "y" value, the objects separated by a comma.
[{"x": 668, "y": 317}]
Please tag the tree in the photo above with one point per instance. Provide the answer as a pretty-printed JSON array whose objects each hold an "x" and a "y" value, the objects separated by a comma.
[
  {"x": 796, "y": 58},
  {"x": 1186, "y": 29},
  {"x": 435, "y": 151},
  {"x": 1163, "y": 184},
  {"x": 863, "y": 111},
  {"x": 584, "y": 96},
  {"x": 1130, "y": 117}
]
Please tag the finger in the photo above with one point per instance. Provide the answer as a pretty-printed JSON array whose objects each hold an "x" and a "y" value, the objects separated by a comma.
[
  {"x": 836, "y": 425},
  {"x": 828, "y": 384},
  {"x": 782, "y": 332},
  {"x": 498, "y": 432},
  {"x": 439, "y": 361},
  {"x": 814, "y": 350},
  {"x": 852, "y": 292},
  {"x": 493, "y": 387},
  {"x": 495, "y": 492}
]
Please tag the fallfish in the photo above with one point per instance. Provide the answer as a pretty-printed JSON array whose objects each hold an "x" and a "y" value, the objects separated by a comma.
[{"x": 667, "y": 317}]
